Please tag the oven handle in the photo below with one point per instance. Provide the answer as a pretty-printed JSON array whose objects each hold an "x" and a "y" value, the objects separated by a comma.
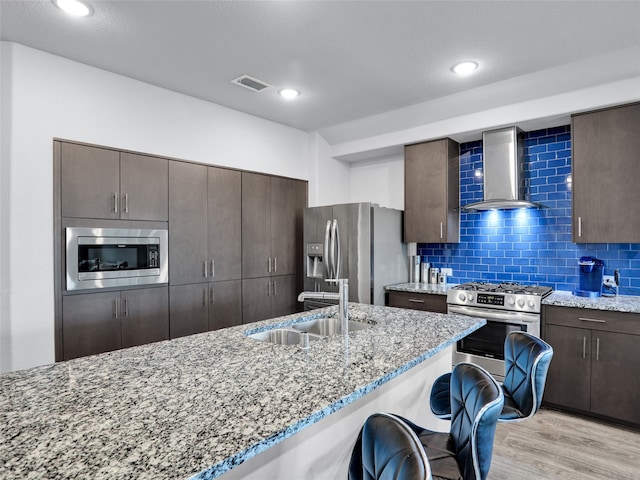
[{"x": 507, "y": 317}]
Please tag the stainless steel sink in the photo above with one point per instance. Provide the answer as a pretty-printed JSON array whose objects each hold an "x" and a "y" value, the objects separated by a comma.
[
  {"x": 328, "y": 326},
  {"x": 283, "y": 336}
]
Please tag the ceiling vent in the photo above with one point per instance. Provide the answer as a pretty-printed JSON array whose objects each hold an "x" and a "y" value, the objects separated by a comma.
[{"x": 251, "y": 83}]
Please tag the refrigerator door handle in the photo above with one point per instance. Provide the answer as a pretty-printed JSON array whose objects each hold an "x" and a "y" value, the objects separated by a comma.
[
  {"x": 327, "y": 263},
  {"x": 337, "y": 259}
]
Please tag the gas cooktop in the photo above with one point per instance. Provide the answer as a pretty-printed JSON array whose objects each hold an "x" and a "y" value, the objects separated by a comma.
[{"x": 502, "y": 296}]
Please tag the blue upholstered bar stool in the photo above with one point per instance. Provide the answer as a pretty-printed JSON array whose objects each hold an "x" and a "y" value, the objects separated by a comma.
[
  {"x": 526, "y": 360},
  {"x": 462, "y": 454}
]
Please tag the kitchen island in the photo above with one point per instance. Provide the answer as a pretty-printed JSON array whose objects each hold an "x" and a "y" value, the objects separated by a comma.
[{"x": 202, "y": 405}]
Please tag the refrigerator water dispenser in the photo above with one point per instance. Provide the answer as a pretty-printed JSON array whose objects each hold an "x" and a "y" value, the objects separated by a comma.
[{"x": 315, "y": 264}]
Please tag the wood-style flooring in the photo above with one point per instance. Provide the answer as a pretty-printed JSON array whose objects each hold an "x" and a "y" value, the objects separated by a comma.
[{"x": 554, "y": 445}]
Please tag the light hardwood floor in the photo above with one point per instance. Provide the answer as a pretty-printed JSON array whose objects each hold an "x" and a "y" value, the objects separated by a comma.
[{"x": 554, "y": 445}]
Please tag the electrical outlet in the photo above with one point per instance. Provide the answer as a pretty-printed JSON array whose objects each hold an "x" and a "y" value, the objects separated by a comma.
[
  {"x": 609, "y": 281},
  {"x": 447, "y": 271}
]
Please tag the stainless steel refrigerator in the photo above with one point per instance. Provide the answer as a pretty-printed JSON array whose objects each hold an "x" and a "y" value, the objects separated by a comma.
[{"x": 358, "y": 241}]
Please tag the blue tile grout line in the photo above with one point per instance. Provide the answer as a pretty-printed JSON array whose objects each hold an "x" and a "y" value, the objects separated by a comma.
[{"x": 530, "y": 246}]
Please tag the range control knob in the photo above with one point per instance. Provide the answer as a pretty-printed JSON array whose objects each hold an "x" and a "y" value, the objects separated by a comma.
[
  {"x": 462, "y": 297},
  {"x": 520, "y": 302},
  {"x": 470, "y": 297},
  {"x": 531, "y": 303},
  {"x": 512, "y": 301}
]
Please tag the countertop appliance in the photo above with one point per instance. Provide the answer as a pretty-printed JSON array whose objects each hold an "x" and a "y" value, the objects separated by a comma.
[
  {"x": 591, "y": 276},
  {"x": 507, "y": 307},
  {"x": 115, "y": 257},
  {"x": 358, "y": 241}
]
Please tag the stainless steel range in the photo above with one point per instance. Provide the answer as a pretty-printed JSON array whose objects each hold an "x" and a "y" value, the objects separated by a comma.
[{"x": 507, "y": 307}]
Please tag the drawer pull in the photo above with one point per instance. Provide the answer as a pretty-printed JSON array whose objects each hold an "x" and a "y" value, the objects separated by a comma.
[
  {"x": 595, "y": 320},
  {"x": 584, "y": 347},
  {"x": 413, "y": 300}
]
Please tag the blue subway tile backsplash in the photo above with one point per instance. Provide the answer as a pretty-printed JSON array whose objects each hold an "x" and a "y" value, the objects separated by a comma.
[{"x": 531, "y": 246}]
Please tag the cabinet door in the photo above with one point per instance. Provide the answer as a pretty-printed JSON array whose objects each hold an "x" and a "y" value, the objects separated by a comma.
[
  {"x": 431, "y": 192},
  {"x": 615, "y": 376},
  {"x": 288, "y": 199},
  {"x": 418, "y": 301},
  {"x": 284, "y": 295},
  {"x": 144, "y": 188},
  {"x": 144, "y": 316},
  {"x": 90, "y": 182},
  {"x": 187, "y": 223},
  {"x": 188, "y": 309},
  {"x": 90, "y": 324},
  {"x": 256, "y": 225},
  {"x": 225, "y": 304},
  {"x": 225, "y": 224},
  {"x": 256, "y": 299},
  {"x": 568, "y": 379},
  {"x": 605, "y": 175}
]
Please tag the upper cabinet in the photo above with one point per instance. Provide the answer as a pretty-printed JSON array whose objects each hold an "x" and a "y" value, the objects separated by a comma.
[
  {"x": 103, "y": 183},
  {"x": 606, "y": 172},
  {"x": 432, "y": 192}
]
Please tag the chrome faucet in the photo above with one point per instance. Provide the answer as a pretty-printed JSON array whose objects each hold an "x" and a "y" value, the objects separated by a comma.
[{"x": 342, "y": 296}]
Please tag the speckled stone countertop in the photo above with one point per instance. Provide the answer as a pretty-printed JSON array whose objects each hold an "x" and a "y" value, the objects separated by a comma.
[
  {"x": 430, "y": 288},
  {"x": 621, "y": 303},
  {"x": 196, "y": 406}
]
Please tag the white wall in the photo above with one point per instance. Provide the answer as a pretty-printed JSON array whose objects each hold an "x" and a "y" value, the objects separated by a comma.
[
  {"x": 330, "y": 178},
  {"x": 379, "y": 181},
  {"x": 45, "y": 96}
]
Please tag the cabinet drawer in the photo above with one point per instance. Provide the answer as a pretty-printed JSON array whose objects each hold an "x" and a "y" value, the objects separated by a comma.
[
  {"x": 603, "y": 320},
  {"x": 418, "y": 301}
]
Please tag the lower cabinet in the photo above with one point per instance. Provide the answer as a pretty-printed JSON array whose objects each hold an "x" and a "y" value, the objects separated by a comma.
[
  {"x": 200, "y": 307},
  {"x": 269, "y": 297},
  {"x": 418, "y": 301},
  {"x": 100, "y": 322},
  {"x": 596, "y": 362}
]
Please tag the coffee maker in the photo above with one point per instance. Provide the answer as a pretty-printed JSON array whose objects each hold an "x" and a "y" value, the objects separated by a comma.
[{"x": 591, "y": 276}]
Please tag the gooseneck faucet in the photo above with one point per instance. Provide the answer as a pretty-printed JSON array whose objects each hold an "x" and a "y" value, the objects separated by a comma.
[{"x": 342, "y": 296}]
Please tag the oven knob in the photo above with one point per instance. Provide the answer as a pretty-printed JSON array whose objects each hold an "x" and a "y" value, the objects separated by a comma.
[
  {"x": 512, "y": 301},
  {"x": 470, "y": 297},
  {"x": 531, "y": 303},
  {"x": 462, "y": 297},
  {"x": 520, "y": 302}
]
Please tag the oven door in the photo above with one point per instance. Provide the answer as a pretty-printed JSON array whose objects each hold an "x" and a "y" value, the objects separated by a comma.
[{"x": 485, "y": 346}]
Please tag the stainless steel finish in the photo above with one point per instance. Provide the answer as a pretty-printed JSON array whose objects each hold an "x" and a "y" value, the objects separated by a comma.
[
  {"x": 328, "y": 326},
  {"x": 76, "y": 280},
  {"x": 126, "y": 203},
  {"x": 275, "y": 264},
  {"x": 433, "y": 275},
  {"x": 517, "y": 318},
  {"x": 342, "y": 296},
  {"x": 268, "y": 288},
  {"x": 269, "y": 263},
  {"x": 125, "y": 311},
  {"x": 366, "y": 247},
  {"x": 114, "y": 308},
  {"x": 115, "y": 202},
  {"x": 584, "y": 347},
  {"x": 204, "y": 297},
  {"x": 213, "y": 268},
  {"x": 283, "y": 336},
  {"x": 212, "y": 296},
  {"x": 204, "y": 269},
  {"x": 442, "y": 279},
  {"x": 513, "y": 302},
  {"x": 275, "y": 288},
  {"x": 579, "y": 226},
  {"x": 304, "y": 340},
  {"x": 415, "y": 269},
  {"x": 598, "y": 348},
  {"x": 595, "y": 320},
  {"x": 441, "y": 230},
  {"x": 424, "y": 272},
  {"x": 504, "y": 186},
  {"x": 414, "y": 300}
]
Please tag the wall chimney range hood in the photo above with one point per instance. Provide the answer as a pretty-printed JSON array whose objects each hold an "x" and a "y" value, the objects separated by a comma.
[{"x": 504, "y": 186}]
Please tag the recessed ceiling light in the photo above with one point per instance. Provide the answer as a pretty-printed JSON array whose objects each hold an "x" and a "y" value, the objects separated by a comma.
[
  {"x": 464, "y": 68},
  {"x": 288, "y": 93},
  {"x": 74, "y": 7}
]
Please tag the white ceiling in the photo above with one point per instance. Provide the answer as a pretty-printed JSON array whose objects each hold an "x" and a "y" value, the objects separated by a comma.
[{"x": 350, "y": 59}]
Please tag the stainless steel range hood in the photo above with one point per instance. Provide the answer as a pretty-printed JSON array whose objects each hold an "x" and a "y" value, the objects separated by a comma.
[{"x": 504, "y": 187}]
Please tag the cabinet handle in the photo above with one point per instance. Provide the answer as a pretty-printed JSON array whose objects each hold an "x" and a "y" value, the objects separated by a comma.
[
  {"x": 579, "y": 227},
  {"x": 594, "y": 320},
  {"x": 212, "y": 296},
  {"x": 414, "y": 300},
  {"x": 126, "y": 202},
  {"x": 269, "y": 261},
  {"x": 205, "y": 272},
  {"x": 213, "y": 268},
  {"x": 114, "y": 309},
  {"x": 275, "y": 264},
  {"x": 204, "y": 297},
  {"x": 268, "y": 289},
  {"x": 441, "y": 230},
  {"x": 115, "y": 202},
  {"x": 275, "y": 288},
  {"x": 125, "y": 313},
  {"x": 584, "y": 347},
  {"x": 597, "y": 348}
]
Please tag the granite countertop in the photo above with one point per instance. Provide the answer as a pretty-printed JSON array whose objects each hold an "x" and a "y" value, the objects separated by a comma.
[
  {"x": 198, "y": 405},
  {"x": 620, "y": 303},
  {"x": 430, "y": 288}
]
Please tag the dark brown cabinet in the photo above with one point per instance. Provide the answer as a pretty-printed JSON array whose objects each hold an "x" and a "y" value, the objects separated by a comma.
[
  {"x": 605, "y": 173},
  {"x": 268, "y": 297},
  {"x": 596, "y": 362},
  {"x": 102, "y": 183},
  {"x": 197, "y": 308},
  {"x": 272, "y": 211},
  {"x": 100, "y": 322},
  {"x": 418, "y": 301},
  {"x": 432, "y": 192}
]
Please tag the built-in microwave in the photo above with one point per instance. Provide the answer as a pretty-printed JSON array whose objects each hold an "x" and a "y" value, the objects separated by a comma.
[{"x": 116, "y": 257}]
